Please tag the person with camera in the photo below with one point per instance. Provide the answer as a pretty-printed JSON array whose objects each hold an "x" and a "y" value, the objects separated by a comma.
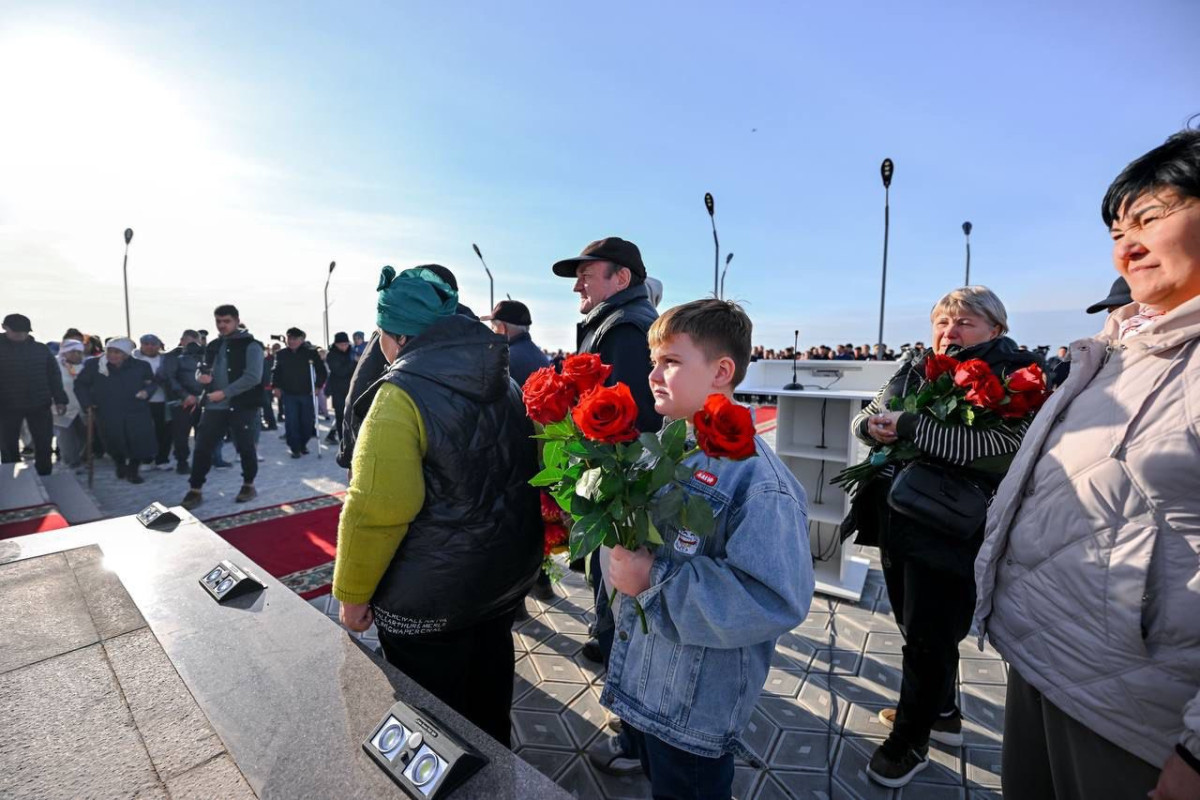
[
  {"x": 231, "y": 375},
  {"x": 928, "y": 571},
  {"x": 299, "y": 375}
]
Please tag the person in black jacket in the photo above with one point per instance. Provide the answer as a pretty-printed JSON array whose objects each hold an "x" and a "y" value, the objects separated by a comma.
[
  {"x": 299, "y": 375},
  {"x": 512, "y": 320},
  {"x": 29, "y": 382},
  {"x": 370, "y": 368},
  {"x": 340, "y": 363},
  {"x": 179, "y": 367},
  {"x": 610, "y": 280},
  {"x": 118, "y": 386}
]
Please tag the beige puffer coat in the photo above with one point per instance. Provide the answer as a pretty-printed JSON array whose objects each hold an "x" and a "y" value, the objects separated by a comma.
[{"x": 1089, "y": 574}]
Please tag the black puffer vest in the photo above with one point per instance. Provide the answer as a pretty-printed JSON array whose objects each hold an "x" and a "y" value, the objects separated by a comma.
[
  {"x": 629, "y": 306},
  {"x": 235, "y": 365},
  {"x": 473, "y": 550}
]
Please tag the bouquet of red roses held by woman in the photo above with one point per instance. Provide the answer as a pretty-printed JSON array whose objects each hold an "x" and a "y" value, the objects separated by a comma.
[
  {"x": 955, "y": 392},
  {"x": 612, "y": 480}
]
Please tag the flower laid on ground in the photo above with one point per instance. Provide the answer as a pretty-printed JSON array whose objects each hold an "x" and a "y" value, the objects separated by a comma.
[
  {"x": 955, "y": 393},
  {"x": 615, "y": 483}
]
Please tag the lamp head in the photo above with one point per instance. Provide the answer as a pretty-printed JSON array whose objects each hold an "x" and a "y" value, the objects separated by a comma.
[
  {"x": 967, "y": 228},
  {"x": 885, "y": 171},
  {"x": 728, "y": 258},
  {"x": 128, "y": 235},
  {"x": 332, "y": 264},
  {"x": 476, "y": 247},
  {"x": 708, "y": 203}
]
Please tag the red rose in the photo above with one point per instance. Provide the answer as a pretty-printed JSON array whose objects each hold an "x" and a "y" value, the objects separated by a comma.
[
  {"x": 987, "y": 391},
  {"x": 550, "y": 510},
  {"x": 1018, "y": 406},
  {"x": 586, "y": 371},
  {"x": 969, "y": 372},
  {"x": 724, "y": 429},
  {"x": 1029, "y": 379},
  {"x": 607, "y": 414},
  {"x": 936, "y": 366},
  {"x": 548, "y": 396},
  {"x": 556, "y": 536}
]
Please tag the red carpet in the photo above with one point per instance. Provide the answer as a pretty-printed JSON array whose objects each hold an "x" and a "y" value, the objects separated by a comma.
[
  {"x": 36, "y": 519},
  {"x": 295, "y": 542},
  {"x": 764, "y": 419}
]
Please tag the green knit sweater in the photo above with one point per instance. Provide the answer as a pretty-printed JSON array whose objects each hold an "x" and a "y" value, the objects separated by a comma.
[{"x": 387, "y": 491}]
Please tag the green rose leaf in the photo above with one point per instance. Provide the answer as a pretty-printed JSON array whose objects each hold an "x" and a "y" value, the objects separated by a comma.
[
  {"x": 547, "y": 477},
  {"x": 553, "y": 455},
  {"x": 661, "y": 475},
  {"x": 651, "y": 443},
  {"x": 652, "y": 534},
  {"x": 668, "y": 505},
  {"x": 698, "y": 515},
  {"x": 683, "y": 473},
  {"x": 589, "y": 533},
  {"x": 910, "y": 403},
  {"x": 674, "y": 438}
]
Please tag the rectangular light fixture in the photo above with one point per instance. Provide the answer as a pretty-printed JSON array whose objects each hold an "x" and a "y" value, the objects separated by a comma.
[
  {"x": 420, "y": 754},
  {"x": 158, "y": 517},
  {"x": 227, "y": 580}
]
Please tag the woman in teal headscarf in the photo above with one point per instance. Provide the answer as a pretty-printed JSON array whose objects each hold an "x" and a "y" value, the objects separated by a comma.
[{"x": 439, "y": 537}]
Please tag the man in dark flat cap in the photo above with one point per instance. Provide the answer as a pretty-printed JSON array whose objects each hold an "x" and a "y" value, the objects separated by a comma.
[
  {"x": 29, "y": 382},
  {"x": 299, "y": 374}
]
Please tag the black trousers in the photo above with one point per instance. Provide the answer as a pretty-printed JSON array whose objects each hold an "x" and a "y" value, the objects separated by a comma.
[
  {"x": 183, "y": 422},
  {"x": 268, "y": 409},
  {"x": 214, "y": 424},
  {"x": 41, "y": 428},
  {"x": 933, "y": 608},
  {"x": 1049, "y": 756},
  {"x": 162, "y": 433},
  {"x": 337, "y": 397},
  {"x": 470, "y": 670}
]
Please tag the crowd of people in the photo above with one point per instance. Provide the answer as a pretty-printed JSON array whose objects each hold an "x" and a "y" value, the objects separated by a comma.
[{"x": 1068, "y": 537}]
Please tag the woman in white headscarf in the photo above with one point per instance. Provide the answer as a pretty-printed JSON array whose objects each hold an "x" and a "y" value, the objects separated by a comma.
[
  {"x": 69, "y": 428},
  {"x": 119, "y": 386}
]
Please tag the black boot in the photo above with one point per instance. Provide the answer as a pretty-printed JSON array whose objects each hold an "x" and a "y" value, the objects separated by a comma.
[{"x": 131, "y": 472}]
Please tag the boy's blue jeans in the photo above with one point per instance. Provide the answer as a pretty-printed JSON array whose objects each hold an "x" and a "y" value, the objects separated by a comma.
[{"x": 679, "y": 775}]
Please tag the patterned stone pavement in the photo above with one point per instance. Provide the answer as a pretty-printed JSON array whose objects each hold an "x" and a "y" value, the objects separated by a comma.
[{"x": 815, "y": 727}]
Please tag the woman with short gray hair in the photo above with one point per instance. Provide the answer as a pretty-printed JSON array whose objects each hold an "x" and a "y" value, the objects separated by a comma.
[{"x": 929, "y": 572}]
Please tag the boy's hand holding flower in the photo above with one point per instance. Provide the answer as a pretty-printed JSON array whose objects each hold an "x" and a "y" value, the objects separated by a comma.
[{"x": 629, "y": 570}]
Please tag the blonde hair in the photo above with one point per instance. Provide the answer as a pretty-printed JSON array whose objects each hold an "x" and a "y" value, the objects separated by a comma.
[{"x": 978, "y": 300}]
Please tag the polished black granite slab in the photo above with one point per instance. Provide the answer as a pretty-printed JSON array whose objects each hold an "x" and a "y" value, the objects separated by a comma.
[{"x": 288, "y": 693}]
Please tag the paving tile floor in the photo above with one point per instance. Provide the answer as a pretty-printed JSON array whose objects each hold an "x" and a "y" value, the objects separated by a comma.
[{"x": 816, "y": 724}]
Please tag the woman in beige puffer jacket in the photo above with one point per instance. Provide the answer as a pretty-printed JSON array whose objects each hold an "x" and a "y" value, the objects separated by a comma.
[{"x": 1089, "y": 575}]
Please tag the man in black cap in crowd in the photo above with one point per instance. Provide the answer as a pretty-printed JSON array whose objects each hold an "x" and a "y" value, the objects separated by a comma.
[
  {"x": 511, "y": 320},
  {"x": 1118, "y": 295},
  {"x": 610, "y": 280},
  {"x": 340, "y": 363},
  {"x": 29, "y": 382},
  {"x": 299, "y": 374}
]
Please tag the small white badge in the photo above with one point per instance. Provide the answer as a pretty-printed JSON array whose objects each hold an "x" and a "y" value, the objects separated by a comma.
[{"x": 687, "y": 542}]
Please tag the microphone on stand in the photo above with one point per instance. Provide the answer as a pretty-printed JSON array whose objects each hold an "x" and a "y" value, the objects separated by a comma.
[{"x": 793, "y": 386}]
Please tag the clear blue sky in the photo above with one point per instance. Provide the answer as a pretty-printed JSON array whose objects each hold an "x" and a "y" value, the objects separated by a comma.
[{"x": 250, "y": 144}]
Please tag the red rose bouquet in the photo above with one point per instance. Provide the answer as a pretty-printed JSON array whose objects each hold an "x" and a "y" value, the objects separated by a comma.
[
  {"x": 955, "y": 393},
  {"x": 612, "y": 480}
]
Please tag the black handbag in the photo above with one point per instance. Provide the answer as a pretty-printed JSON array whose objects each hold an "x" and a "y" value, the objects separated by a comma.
[{"x": 940, "y": 497}]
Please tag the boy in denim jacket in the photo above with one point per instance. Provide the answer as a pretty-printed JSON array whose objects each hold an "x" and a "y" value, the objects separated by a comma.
[{"x": 715, "y": 604}]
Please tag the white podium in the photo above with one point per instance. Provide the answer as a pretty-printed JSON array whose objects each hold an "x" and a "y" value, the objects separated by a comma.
[{"x": 813, "y": 439}]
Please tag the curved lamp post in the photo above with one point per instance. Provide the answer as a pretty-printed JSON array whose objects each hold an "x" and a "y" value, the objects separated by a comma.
[
  {"x": 708, "y": 205},
  {"x": 967, "y": 233},
  {"x": 728, "y": 258},
  {"x": 125, "y": 275},
  {"x": 328, "y": 344},
  {"x": 491, "y": 283},
  {"x": 885, "y": 171}
]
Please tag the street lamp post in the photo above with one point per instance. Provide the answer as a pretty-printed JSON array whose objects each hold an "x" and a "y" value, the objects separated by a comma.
[
  {"x": 491, "y": 283},
  {"x": 708, "y": 205},
  {"x": 332, "y": 264},
  {"x": 967, "y": 233},
  {"x": 885, "y": 171},
  {"x": 728, "y": 258},
  {"x": 125, "y": 276}
]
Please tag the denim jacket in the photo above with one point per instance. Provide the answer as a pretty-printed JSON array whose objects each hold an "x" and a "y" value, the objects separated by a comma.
[{"x": 715, "y": 608}]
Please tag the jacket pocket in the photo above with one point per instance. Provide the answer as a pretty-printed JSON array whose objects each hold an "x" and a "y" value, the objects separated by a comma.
[{"x": 1126, "y": 598}]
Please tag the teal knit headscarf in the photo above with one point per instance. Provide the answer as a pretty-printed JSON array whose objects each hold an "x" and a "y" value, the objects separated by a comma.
[{"x": 411, "y": 301}]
